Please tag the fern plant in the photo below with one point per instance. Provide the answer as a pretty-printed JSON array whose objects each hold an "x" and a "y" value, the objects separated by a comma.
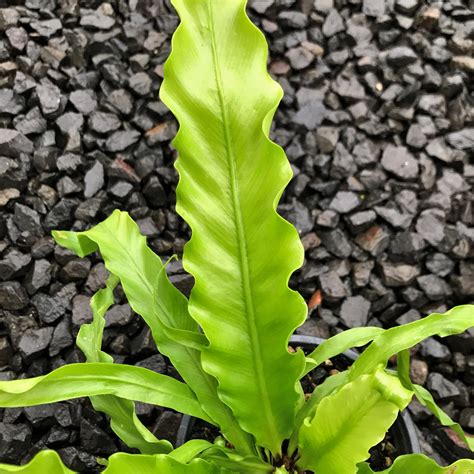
[{"x": 229, "y": 342}]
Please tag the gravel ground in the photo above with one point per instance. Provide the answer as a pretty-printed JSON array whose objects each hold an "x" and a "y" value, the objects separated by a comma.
[{"x": 377, "y": 122}]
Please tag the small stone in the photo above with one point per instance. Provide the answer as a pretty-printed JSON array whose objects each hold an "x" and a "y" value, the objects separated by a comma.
[
  {"x": 51, "y": 308},
  {"x": 293, "y": 19},
  {"x": 399, "y": 274},
  {"x": 160, "y": 133},
  {"x": 401, "y": 56},
  {"x": 300, "y": 217},
  {"x": 140, "y": 83},
  {"x": 373, "y": 8},
  {"x": 348, "y": 88},
  {"x": 311, "y": 114},
  {"x": 328, "y": 218},
  {"x": 406, "y": 6},
  {"x": 418, "y": 371},
  {"x": 167, "y": 426},
  {"x": 18, "y": 38},
  {"x": 323, "y": 6},
  {"x": 94, "y": 180},
  {"x": 47, "y": 28},
  {"x": 38, "y": 277},
  {"x": 442, "y": 388},
  {"x": 41, "y": 416},
  {"x": 12, "y": 296},
  {"x": 332, "y": 287},
  {"x": 27, "y": 219},
  {"x": 8, "y": 194},
  {"x": 14, "y": 264},
  {"x": 433, "y": 104},
  {"x": 434, "y": 287},
  {"x": 344, "y": 202},
  {"x": 466, "y": 418},
  {"x": 34, "y": 343},
  {"x": 399, "y": 161},
  {"x": 31, "y": 123},
  {"x": 415, "y": 137},
  {"x": 154, "y": 192},
  {"x": 464, "y": 62},
  {"x": 326, "y": 139},
  {"x": 361, "y": 221},
  {"x": 439, "y": 264},
  {"x": 408, "y": 247},
  {"x": 60, "y": 216},
  {"x": 121, "y": 101},
  {"x": 121, "y": 140},
  {"x": 76, "y": 269},
  {"x": 336, "y": 242},
  {"x": 374, "y": 240},
  {"x": 462, "y": 140},
  {"x": 355, "y": 311},
  {"x": 299, "y": 57},
  {"x": 97, "y": 21},
  {"x": 81, "y": 311},
  {"x": 102, "y": 122},
  {"x": 156, "y": 363},
  {"x": 94, "y": 439},
  {"x": 5, "y": 351},
  {"x": 13, "y": 143},
  {"x": 84, "y": 101},
  {"x": 15, "y": 439},
  {"x": 8, "y": 18},
  {"x": 62, "y": 338},
  {"x": 333, "y": 24},
  {"x": 408, "y": 317},
  {"x": 118, "y": 315},
  {"x": 49, "y": 97},
  {"x": 430, "y": 226},
  {"x": 70, "y": 123},
  {"x": 432, "y": 349}
]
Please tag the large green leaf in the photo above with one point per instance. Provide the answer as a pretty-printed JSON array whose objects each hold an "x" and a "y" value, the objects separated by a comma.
[
  {"x": 88, "y": 380},
  {"x": 242, "y": 252},
  {"x": 123, "y": 418},
  {"x": 399, "y": 338},
  {"x": 162, "y": 306},
  {"x": 355, "y": 337},
  {"x": 349, "y": 422},
  {"x": 122, "y": 463},
  {"x": 426, "y": 399},
  {"x": 420, "y": 464},
  {"x": 45, "y": 462}
]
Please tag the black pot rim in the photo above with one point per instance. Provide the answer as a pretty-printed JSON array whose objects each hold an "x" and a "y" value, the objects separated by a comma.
[{"x": 403, "y": 430}]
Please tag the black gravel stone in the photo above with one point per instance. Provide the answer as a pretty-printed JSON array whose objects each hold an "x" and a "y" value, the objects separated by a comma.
[
  {"x": 84, "y": 101},
  {"x": 15, "y": 441},
  {"x": 34, "y": 342},
  {"x": 332, "y": 287},
  {"x": 13, "y": 264},
  {"x": 399, "y": 274},
  {"x": 442, "y": 388},
  {"x": 13, "y": 143},
  {"x": 355, "y": 311},
  {"x": 102, "y": 122},
  {"x": 12, "y": 296},
  {"x": 400, "y": 162},
  {"x": 49, "y": 96},
  {"x": 122, "y": 140},
  {"x": 94, "y": 439}
]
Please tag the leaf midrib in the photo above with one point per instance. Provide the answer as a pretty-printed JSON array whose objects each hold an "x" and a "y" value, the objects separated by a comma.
[{"x": 241, "y": 239}]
